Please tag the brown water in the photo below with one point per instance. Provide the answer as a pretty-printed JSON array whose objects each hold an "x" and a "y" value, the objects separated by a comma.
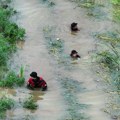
[{"x": 33, "y": 54}]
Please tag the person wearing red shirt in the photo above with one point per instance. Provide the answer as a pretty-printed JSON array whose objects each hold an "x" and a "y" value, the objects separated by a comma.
[{"x": 36, "y": 82}]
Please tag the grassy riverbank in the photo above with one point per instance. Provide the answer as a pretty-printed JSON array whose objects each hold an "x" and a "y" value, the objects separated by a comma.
[
  {"x": 109, "y": 60},
  {"x": 108, "y": 57},
  {"x": 10, "y": 33}
]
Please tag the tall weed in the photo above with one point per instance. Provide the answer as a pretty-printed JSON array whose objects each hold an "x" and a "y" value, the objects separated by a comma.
[{"x": 109, "y": 59}]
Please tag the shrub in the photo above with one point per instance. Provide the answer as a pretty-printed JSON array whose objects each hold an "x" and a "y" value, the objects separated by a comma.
[
  {"x": 10, "y": 33},
  {"x": 30, "y": 103},
  {"x": 3, "y": 58},
  {"x": 12, "y": 80},
  {"x": 5, "y": 104},
  {"x": 14, "y": 33}
]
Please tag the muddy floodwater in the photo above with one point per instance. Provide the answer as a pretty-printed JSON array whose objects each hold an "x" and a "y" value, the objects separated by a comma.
[{"x": 73, "y": 89}]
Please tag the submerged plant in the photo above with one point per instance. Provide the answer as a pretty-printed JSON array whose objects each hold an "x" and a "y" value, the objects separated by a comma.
[
  {"x": 87, "y": 5},
  {"x": 55, "y": 46},
  {"x": 71, "y": 87},
  {"x": 116, "y": 10},
  {"x": 30, "y": 103},
  {"x": 51, "y": 4}
]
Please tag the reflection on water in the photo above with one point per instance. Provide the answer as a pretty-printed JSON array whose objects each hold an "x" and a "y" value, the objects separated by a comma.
[
  {"x": 37, "y": 95},
  {"x": 6, "y": 91}
]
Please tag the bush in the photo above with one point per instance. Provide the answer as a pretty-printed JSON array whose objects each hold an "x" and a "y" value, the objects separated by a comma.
[
  {"x": 10, "y": 33},
  {"x": 13, "y": 33},
  {"x": 5, "y": 104},
  {"x": 12, "y": 80},
  {"x": 30, "y": 103},
  {"x": 3, "y": 58}
]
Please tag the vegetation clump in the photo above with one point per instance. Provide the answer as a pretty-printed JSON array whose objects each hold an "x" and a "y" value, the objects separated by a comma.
[
  {"x": 70, "y": 87},
  {"x": 116, "y": 10},
  {"x": 55, "y": 46},
  {"x": 10, "y": 33},
  {"x": 49, "y": 3},
  {"x": 12, "y": 80},
  {"x": 6, "y": 103},
  {"x": 109, "y": 60},
  {"x": 30, "y": 103}
]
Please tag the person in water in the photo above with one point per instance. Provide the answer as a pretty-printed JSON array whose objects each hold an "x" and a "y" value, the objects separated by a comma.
[
  {"x": 74, "y": 54},
  {"x": 36, "y": 82},
  {"x": 74, "y": 27}
]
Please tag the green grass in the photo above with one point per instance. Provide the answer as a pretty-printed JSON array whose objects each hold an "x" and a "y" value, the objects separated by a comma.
[
  {"x": 109, "y": 60},
  {"x": 94, "y": 8},
  {"x": 10, "y": 33},
  {"x": 30, "y": 104},
  {"x": 12, "y": 80},
  {"x": 115, "y": 2},
  {"x": 116, "y": 13},
  {"x": 5, "y": 104},
  {"x": 87, "y": 4},
  {"x": 70, "y": 88},
  {"x": 116, "y": 10},
  {"x": 22, "y": 70}
]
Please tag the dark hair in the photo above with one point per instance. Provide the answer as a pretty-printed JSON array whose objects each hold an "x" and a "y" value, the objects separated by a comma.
[
  {"x": 33, "y": 74},
  {"x": 74, "y": 51},
  {"x": 73, "y": 25}
]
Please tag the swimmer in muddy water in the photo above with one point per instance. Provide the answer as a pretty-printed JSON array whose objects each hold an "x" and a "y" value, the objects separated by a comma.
[
  {"x": 74, "y": 27},
  {"x": 36, "y": 82},
  {"x": 74, "y": 55}
]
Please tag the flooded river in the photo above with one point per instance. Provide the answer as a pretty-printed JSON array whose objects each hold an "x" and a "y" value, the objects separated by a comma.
[{"x": 73, "y": 91}]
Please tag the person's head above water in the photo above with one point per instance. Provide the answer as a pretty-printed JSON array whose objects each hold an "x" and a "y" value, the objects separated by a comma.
[
  {"x": 74, "y": 54},
  {"x": 74, "y": 26},
  {"x": 33, "y": 75}
]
